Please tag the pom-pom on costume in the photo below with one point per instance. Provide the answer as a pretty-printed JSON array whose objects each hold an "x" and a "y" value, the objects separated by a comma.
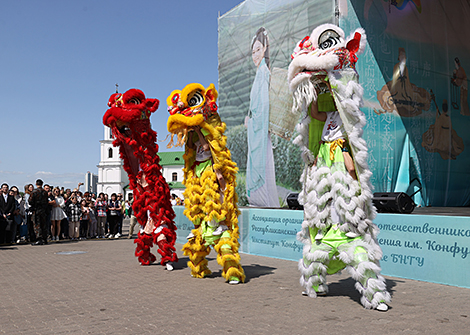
[
  {"x": 210, "y": 179},
  {"x": 337, "y": 230},
  {"x": 128, "y": 118}
]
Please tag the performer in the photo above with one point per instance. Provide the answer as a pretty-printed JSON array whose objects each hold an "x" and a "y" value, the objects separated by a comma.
[
  {"x": 337, "y": 230},
  {"x": 128, "y": 118},
  {"x": 210, "y": 179}
]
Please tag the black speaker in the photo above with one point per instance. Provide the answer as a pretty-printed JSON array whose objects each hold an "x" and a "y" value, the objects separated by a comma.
[
  {"x": 293, "y": 202},
  {"x": 393, "y": 202}
]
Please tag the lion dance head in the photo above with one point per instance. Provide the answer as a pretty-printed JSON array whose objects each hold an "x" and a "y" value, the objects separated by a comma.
[
  {"x": 128, "y": 117},
  {"x": 190, "y": 107}
]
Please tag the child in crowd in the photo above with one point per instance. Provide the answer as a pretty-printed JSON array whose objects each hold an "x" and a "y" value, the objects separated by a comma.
[
  {"x": 114, "y": 207},
  {"x": 75, "y": 213},
  {"x": 101, "y": 206},
  {"x": 92, "y": 233},
  {"x": 84, "y": 219}
]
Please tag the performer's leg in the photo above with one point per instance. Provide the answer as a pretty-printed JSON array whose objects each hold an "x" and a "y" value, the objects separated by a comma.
[
  {"x": 145, "y": 239},
  {"x": 197, "y": 224},
  {"x": 229, "y": 258},
  {"x": 369, "y": 281},
  {"x": 313, "y": 268},
  {"x": 197, "y": 252},
  {"x": 219, "y": 226},
  {"x": 142, "y": 251},
  {"x": 166, "y": 247}
]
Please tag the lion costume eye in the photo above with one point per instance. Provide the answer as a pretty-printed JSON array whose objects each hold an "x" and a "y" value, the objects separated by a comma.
[
  {"x": 195, "y": 99},
  {"x": 328, "y": 39},
  {"x": 134, "y": 101}
]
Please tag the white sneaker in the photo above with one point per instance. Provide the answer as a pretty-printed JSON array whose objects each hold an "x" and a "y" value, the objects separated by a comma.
[
  {"x": 169, "y": 266},
  {"x": 117, "y": 235},
  {"x": 220, "y": 229},
  {"x": 111, "y": 236},
  {"x": 319, "y": 235},
  {"x": 190, "y": 236},
  {"x": 351, "y": 234},
  {"x": 382, "y": 307},
  {"x": 318, "y": 293}
]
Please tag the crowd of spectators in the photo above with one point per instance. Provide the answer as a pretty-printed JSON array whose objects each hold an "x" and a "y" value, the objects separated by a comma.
[{"x": 44, "y": 213}]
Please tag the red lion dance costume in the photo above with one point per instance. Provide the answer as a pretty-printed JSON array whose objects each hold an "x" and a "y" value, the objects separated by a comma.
[{"x": 128, "y": 118}]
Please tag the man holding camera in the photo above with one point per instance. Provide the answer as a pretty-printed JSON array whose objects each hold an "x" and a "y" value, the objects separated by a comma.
[{"x": 7, "y": 207}]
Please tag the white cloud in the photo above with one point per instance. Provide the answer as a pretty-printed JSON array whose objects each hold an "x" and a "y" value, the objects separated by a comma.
[
  {"x": 43, "y": 173},
  {"x": 12, "y": 172}
]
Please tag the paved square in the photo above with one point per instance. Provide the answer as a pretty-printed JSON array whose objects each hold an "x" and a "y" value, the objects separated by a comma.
[{"x": 98, "y": 287}]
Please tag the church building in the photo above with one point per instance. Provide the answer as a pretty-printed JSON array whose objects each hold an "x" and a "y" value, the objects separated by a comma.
[
  {"x": 112, "y": 178},
  {"x": 111, "y": 175}
]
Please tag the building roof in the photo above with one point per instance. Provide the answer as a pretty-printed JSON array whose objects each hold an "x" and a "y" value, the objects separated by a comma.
[
  {"x": 176, "y": 185},
  {"x": 171, "y": 158}
]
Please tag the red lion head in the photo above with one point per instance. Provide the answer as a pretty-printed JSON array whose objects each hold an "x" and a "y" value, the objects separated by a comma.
[
  {"x": 128, "y": 118},
  {"x": 129, "y": 107}
]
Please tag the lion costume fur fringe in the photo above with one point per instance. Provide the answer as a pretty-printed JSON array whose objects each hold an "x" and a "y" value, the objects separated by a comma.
[{"x": 202, "y": 197}]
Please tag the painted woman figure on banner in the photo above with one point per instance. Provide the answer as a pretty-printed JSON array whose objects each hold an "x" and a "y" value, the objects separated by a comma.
[
  {"x": 337, "y": 231},
  {"x": 459, "y": 79},
  {"x": 260, "y": 173},
  {"x": 441, "y": 137}
]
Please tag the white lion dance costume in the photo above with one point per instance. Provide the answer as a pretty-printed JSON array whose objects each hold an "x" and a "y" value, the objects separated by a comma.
[{"x": 337, "y": 230}]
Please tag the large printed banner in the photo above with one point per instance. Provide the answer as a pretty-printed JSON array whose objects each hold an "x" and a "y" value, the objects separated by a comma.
[
  {"x": 415, "y": 94},
  {"x": 428, "y": 248},
  {"x": 256, "y": 40},
  {"x": 274, "y": 233}
]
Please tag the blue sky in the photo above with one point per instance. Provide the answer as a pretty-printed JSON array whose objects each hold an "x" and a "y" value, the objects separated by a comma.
[{"x": 60, "y": 61}]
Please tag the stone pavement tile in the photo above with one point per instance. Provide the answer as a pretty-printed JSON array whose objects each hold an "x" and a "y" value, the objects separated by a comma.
[{"x": 106, "y": 291}]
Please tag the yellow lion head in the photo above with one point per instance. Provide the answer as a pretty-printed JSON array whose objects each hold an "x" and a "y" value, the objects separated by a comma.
[{"x": 190, "y": 107}]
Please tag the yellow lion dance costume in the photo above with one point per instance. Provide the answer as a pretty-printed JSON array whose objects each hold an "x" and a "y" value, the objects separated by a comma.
[{"x": 210, "y": 179}]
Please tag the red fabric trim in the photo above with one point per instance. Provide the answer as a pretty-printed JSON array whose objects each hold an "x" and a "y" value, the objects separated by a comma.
[{"x": 154, "y": 197}]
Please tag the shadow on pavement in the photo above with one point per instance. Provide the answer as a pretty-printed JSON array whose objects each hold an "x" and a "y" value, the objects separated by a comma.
[
  {"x": 251, "y": 271},
  {"x": 7, "y": 247},
  {"x": 256, "y": 271},
  {"x": 345, "y": 287}
]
